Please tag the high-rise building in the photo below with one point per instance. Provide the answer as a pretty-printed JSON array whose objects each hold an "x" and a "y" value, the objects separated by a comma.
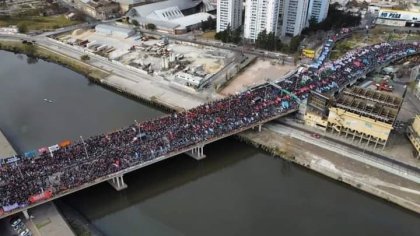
[
  {"x": 261, "y": 15},
  {"x": 229, "y": 12},
  {"x": 295, "y": 17},
  {"x": 283, "y": 17},
  {"x": 318, "y": 9}
]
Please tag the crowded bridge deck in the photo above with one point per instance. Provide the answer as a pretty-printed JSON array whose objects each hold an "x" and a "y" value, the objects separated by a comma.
[{"x": 47, "y": 173}]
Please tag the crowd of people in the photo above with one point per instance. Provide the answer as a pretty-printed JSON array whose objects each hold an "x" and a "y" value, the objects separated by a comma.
[{"x": 25, "y": 180}]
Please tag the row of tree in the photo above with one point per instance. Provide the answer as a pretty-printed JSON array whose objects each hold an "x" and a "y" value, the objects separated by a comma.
[
  {"x": 209, "y": 24},
  {"x": 229, "y": 36},
  {"x": 149, "y": 26}
]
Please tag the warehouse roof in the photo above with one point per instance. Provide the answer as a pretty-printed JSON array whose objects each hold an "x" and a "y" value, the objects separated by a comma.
[
  {"x": 146, "y": 10},
  {"x": 192, "y": 19}
]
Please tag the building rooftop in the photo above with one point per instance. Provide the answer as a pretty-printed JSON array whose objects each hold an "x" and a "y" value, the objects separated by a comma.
[
  {"x": 370, "y": 103},
  {"x": 146, "y": 10},
  {"x": 192, "y": 19},
  {"x": 113, "y": 28}
]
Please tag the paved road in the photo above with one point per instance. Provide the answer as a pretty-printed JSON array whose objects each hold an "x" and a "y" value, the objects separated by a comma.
[{"x": 357, "y": 153}]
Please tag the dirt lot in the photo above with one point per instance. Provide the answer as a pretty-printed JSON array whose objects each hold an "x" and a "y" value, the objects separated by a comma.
[{"x": 257, "y": 73}]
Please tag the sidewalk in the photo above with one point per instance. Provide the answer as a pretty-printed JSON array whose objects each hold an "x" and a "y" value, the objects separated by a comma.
[{"x": 49, "y": 222}]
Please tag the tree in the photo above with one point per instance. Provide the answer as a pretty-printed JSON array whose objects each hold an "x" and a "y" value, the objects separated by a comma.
[
  {"x": 151, "y": 26},
  {"x": 261, "y": 39},
  {"x": 225, "y": 35},
  {"x": 22, "y": 28},
  {"x": 84, "y": 57},
  {"x": 135, "y": 23},
  {"x": 209, "y": 24},
  {"x": 268, "y": 41},
  {"x": 236, "y": 35},
  {"x": 294, "y": 43},
  {"x": 313, "y": 22},
  {"x": 30, "y": 49}
]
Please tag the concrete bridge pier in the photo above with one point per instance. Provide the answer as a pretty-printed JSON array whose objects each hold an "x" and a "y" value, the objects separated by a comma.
[
  {"x": 197, "y": 153},
  {"x": 118, "y": 183},
  {"x": 259, "y": 126},
  {"x": 26, "y": 214}
]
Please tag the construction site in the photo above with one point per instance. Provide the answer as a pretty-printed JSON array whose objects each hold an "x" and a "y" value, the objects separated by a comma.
[{"x": 181, "y": 62}]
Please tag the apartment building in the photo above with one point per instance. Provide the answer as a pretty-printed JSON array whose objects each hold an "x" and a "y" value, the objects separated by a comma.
[
  {"x": 261, "y": 15},
  {"x": 295, "y": 17},
  {"x": 229, "y": 12},
  {"x": 318, "y": 9},
  {"x": 283, "y": 17}
]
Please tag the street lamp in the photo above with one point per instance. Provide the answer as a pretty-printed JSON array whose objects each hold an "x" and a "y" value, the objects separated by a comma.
[{"x": 84, "y": 146}]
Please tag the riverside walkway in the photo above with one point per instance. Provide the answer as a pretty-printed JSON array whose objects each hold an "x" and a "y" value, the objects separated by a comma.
[{"x": 42, "y": 175}]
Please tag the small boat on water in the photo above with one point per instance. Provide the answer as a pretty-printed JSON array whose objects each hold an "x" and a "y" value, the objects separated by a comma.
[{"x": 48, "y": 100}]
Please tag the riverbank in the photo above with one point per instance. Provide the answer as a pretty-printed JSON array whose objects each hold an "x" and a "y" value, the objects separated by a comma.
[
  {"x": 45, "y": 219},
  {"x": 336, "y": 165},
  {"x": 6, "y": 149},
  {"x": 35, "y": 51}
]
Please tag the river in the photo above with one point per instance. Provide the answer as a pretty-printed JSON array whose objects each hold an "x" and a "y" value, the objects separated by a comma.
[{"x": 236, "y": 190}]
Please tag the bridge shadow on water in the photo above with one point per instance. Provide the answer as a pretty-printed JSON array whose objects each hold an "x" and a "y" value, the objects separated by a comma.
[{"x": 102, "y": 200}]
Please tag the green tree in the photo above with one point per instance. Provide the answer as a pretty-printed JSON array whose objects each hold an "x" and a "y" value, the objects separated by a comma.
[
  {"x": 151, "y": 26},
  {"x": 261, "y": 39},
  {"x": 294, "y": 43},
  {"x": 209, "y": 24},
  {"x": 313, "y": 22},
  {"x": 22, "y": 28},
  {"x": 30, "y": 49},
  {"x": 135, "y": 23},
  {"x": 84, "y": 57},
  {"x": 236, "y": 35},
  {"x": 229, "y": 36}
]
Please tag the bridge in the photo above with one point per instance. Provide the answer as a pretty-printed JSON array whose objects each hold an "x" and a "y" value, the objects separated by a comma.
[{"x": 42, "y": 175}]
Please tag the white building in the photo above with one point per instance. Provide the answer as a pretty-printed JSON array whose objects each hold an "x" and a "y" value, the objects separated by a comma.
[
  {"x": 172, "y": 16},
  {"x": 398, "y": 18},
  {"x": 295, "y": 17},
  {"x": 261, "y": 15},
  {"x": 318, "y": 9},
  {"x": 283, "y": 17},
  {"x": 229, "y": 12}
]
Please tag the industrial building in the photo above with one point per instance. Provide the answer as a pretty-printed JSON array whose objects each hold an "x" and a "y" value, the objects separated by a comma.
[
  {"x": 398, "y": 18},
  {"x": 413, "y": 133},
  {"x": 172, "y": 16},
  {"x": 364, "y": 115},
  {"x": 101, "y": 9}
]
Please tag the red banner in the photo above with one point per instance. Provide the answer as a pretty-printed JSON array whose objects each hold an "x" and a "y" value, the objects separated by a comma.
[{"x": 40, "y": 197}]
